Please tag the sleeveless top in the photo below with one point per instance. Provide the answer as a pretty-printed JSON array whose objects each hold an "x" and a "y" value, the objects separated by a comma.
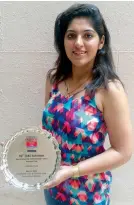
[{"x": 80, "y": 129}]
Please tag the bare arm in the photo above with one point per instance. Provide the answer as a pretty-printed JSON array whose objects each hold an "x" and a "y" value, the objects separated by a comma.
[{"x": 117, "y": 118}]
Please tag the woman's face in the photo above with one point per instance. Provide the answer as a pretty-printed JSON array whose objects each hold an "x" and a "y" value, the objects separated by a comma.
[{"x": 82, "y": 42}]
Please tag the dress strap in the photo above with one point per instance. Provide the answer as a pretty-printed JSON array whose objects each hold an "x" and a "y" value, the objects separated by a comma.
[{"x": 54, "y": 89}]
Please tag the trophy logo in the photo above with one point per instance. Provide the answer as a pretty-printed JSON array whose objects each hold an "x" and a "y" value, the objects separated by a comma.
[{"x": 31, "y": 143}]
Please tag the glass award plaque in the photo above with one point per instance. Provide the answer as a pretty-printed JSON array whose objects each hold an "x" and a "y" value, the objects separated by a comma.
[{"x": 30, "y": 158}]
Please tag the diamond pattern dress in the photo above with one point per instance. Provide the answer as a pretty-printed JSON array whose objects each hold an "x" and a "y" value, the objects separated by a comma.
[{"x": 80, "y": 129}]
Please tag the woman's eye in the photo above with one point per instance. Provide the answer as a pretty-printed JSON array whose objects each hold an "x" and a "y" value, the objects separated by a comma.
[
  {"x": 70, "y": 36},
  {"x": 88, "y": 36}
]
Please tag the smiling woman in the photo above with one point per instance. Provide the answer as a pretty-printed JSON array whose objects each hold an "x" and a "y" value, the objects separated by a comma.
[{"x": 84, "y": 102}]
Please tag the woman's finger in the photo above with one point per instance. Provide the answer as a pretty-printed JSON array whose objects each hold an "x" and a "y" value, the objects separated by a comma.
[{"x": 49, "y": 185}]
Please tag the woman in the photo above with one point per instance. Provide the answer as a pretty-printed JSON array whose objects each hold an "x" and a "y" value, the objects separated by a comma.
[{"x": 86, "y": 101}]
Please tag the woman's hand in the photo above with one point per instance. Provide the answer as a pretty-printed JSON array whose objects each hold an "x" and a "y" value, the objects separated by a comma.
[{"x": 63, "y": 174}]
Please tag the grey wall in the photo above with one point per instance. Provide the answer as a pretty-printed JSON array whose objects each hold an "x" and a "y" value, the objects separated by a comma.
[{"x": 27, "y": 53}]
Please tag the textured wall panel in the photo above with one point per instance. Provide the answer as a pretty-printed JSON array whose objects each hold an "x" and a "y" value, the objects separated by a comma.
[
  {"x": 126, "y": 72},
  {"x": 22, "y": 81},
  {"x": 30, "y": 25}
]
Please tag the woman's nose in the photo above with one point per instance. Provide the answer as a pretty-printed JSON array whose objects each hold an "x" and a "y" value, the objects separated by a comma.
[{"x": 79, "y": 42}]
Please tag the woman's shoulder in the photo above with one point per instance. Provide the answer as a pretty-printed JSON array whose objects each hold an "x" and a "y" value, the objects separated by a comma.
[
  {"x": 114, "y": 86},
  {"x": 114, "y": 90}
]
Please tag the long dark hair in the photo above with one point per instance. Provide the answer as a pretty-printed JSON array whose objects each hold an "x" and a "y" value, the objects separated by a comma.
[{"x": 104, "y": 68}]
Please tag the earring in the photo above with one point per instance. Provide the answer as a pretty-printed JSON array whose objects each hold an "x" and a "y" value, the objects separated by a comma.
[
  {"x": 101, "y": 51},
  {"x": 100, "y": 48}
]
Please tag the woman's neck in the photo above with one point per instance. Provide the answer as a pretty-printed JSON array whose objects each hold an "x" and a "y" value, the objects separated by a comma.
[{"x": 81, "y": 74}]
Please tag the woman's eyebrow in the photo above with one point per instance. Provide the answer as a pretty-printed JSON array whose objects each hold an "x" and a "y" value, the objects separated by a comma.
[{"x": 87, "y": 30}]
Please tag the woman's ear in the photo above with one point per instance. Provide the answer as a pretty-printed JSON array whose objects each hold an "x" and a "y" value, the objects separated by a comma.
[{"x": 102, "y": 41}]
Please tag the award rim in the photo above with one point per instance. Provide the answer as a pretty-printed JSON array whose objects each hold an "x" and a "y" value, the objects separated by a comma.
[{"x": 10, "y": 178}]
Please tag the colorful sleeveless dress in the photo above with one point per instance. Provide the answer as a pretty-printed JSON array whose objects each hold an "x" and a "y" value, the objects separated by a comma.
[{"x": 80, "y": 130}]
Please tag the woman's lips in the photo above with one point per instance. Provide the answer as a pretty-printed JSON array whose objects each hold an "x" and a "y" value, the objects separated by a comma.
[{"x": 80, "y": 53}]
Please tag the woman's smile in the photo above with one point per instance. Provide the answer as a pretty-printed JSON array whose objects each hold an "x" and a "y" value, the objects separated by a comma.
[{"x": 79, "y": 53}]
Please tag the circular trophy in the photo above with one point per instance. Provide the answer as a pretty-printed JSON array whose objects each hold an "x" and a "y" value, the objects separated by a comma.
[{"x": 30, "y": 158}]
